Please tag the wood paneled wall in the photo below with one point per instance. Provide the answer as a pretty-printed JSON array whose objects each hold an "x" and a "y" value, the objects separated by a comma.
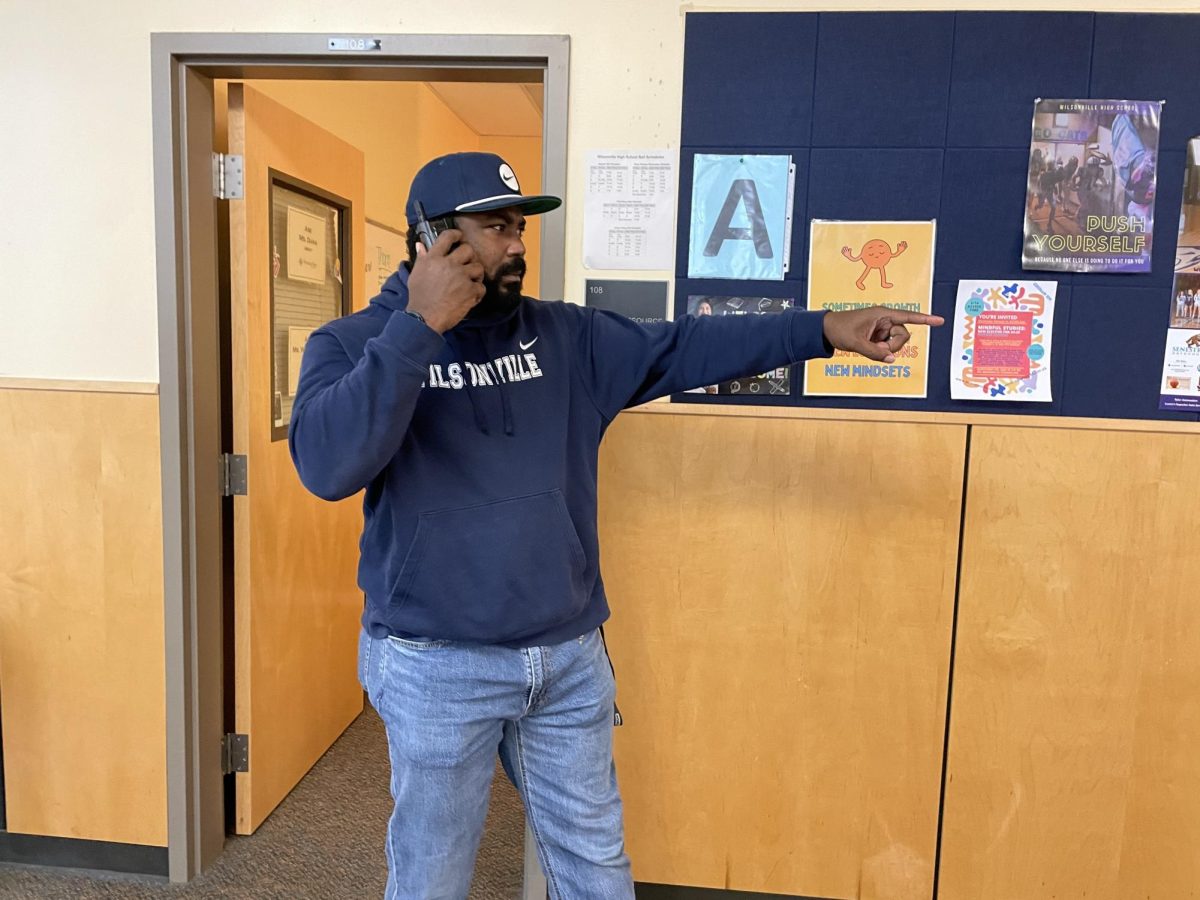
[
  {"x": 1073, "y": 767},
  {"x": 782, "y": 599},
  {"x": 81, "y": 615},
  {"x": 782, "y": 592}
]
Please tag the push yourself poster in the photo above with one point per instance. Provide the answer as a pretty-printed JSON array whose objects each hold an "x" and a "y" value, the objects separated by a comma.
[{"x": 1089, "y": 206}]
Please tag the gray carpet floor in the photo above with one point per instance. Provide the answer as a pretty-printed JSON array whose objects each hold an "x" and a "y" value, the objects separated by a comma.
[{"x": 325, "y": 842}]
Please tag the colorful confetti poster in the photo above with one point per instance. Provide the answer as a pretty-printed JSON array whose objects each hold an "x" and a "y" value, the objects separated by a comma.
[
  {"x": 852, "y": 265},
  {"x": 1090, "y": 201},
  {"x": 1181, "y": 360},
  {"x": 1002, "y": 340},
  {"x": 777, "y": 382},
  {"x": 741, "y": 224}
]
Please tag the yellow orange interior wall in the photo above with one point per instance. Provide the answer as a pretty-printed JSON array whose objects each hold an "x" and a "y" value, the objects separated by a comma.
[{"x": 399, "y": 126}]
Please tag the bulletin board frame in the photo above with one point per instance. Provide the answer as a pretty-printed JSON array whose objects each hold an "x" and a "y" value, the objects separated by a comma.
[{"x": 927, "y": 115}]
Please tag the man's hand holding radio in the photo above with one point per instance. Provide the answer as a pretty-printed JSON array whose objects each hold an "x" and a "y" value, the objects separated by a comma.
[{"x": 446, "y": 281}]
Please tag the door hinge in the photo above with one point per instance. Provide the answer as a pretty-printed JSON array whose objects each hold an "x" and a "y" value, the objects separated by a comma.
[
  {"x": 235, "y": 753},
  {"x": 228, "y": 177},
  {"x": 233, "y": 474}
]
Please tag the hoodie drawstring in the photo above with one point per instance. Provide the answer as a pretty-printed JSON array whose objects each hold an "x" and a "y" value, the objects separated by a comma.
[
  {"x": 455, "y": 338},
  {"x": 480, "y": 420},
  {"x": 505, "y": 405}
]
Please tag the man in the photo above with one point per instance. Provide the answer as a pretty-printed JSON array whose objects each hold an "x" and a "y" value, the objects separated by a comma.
[
  {"x": 703, "y": 308},
  {"x": 472, "y": 417}
]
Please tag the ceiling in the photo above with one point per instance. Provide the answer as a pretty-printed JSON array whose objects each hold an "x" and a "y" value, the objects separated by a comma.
[{"x": 508, "y": 110}]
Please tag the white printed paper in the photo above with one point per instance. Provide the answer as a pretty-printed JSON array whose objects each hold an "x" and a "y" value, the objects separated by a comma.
[
  {"x": 297, "y": 340},
  {"x": 385, "y": 251},
  {"x": 629, "y": 210},
  {"x": 306, "y": 246}
]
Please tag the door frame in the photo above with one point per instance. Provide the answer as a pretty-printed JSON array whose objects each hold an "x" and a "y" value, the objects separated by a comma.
[{"x": 184, "y": 66}]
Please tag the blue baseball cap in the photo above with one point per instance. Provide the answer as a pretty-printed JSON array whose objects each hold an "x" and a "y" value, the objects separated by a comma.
[{"x": 470, "y": 182}]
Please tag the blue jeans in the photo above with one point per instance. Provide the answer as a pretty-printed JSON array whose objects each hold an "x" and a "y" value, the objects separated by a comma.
[{"x": 449, "y": 708}]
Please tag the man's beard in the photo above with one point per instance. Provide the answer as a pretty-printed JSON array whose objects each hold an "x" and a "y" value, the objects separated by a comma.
[{"x": 499, "y": 297}]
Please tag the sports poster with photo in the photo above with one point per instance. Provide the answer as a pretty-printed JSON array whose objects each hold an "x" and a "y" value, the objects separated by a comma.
[
  {"x": 1089, "y": 206},
  {"x": 853, "y": 265},
  {"x": 776, "y": 383},
  {"x": 1180, "y": 387},
  {"x": 1002, "y": 340},
  {"x": 1181, "y": 370}
]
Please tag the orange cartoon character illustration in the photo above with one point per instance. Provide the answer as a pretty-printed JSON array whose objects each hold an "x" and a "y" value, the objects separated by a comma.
[
  {"x": 876, "y": 254},
  {"x": 1194, "y": 340}
]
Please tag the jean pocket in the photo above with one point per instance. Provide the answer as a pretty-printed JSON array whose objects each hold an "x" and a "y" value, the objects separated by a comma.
[{"x": 494, "y": 572}]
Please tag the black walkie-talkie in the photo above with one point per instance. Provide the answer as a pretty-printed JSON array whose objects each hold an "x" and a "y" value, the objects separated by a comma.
[{"x": 427, "y": 231}]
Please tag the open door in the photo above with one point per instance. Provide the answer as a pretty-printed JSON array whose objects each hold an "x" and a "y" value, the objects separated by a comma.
[{"x": 295, "y": 250}]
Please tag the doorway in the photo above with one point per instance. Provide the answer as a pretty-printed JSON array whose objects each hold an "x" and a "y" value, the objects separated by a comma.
[{"x": 188, "y": 74}]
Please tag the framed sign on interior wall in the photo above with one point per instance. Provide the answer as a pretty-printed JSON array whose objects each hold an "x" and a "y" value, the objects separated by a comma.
[{"x": 310, "y": 283}]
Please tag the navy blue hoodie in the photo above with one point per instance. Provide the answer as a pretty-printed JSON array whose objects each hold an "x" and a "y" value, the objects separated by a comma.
[{"x": 478, "y": 450}]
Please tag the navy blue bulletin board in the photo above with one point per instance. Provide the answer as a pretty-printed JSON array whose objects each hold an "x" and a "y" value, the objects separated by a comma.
[{"x": 926, "y": 115}]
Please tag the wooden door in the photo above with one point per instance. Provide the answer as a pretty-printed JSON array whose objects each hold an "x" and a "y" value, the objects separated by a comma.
[{"x": 297, "y": 605}]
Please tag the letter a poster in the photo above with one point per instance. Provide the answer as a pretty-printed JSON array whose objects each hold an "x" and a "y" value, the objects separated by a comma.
[
  {"x": 852, "y": 265},
  {"x": 741, "y": 224},
  {"x": 1089, "y": 206}
]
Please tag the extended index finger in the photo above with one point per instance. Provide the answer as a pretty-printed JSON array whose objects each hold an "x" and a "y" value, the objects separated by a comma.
[{"x": 899, "y": 317}]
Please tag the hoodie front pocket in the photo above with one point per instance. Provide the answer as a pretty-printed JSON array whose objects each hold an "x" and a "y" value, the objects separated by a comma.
[{"x": 494, "y": 572}]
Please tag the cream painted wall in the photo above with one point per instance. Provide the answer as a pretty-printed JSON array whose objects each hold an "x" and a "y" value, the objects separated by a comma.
[{"x": 77, "y": 239}]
